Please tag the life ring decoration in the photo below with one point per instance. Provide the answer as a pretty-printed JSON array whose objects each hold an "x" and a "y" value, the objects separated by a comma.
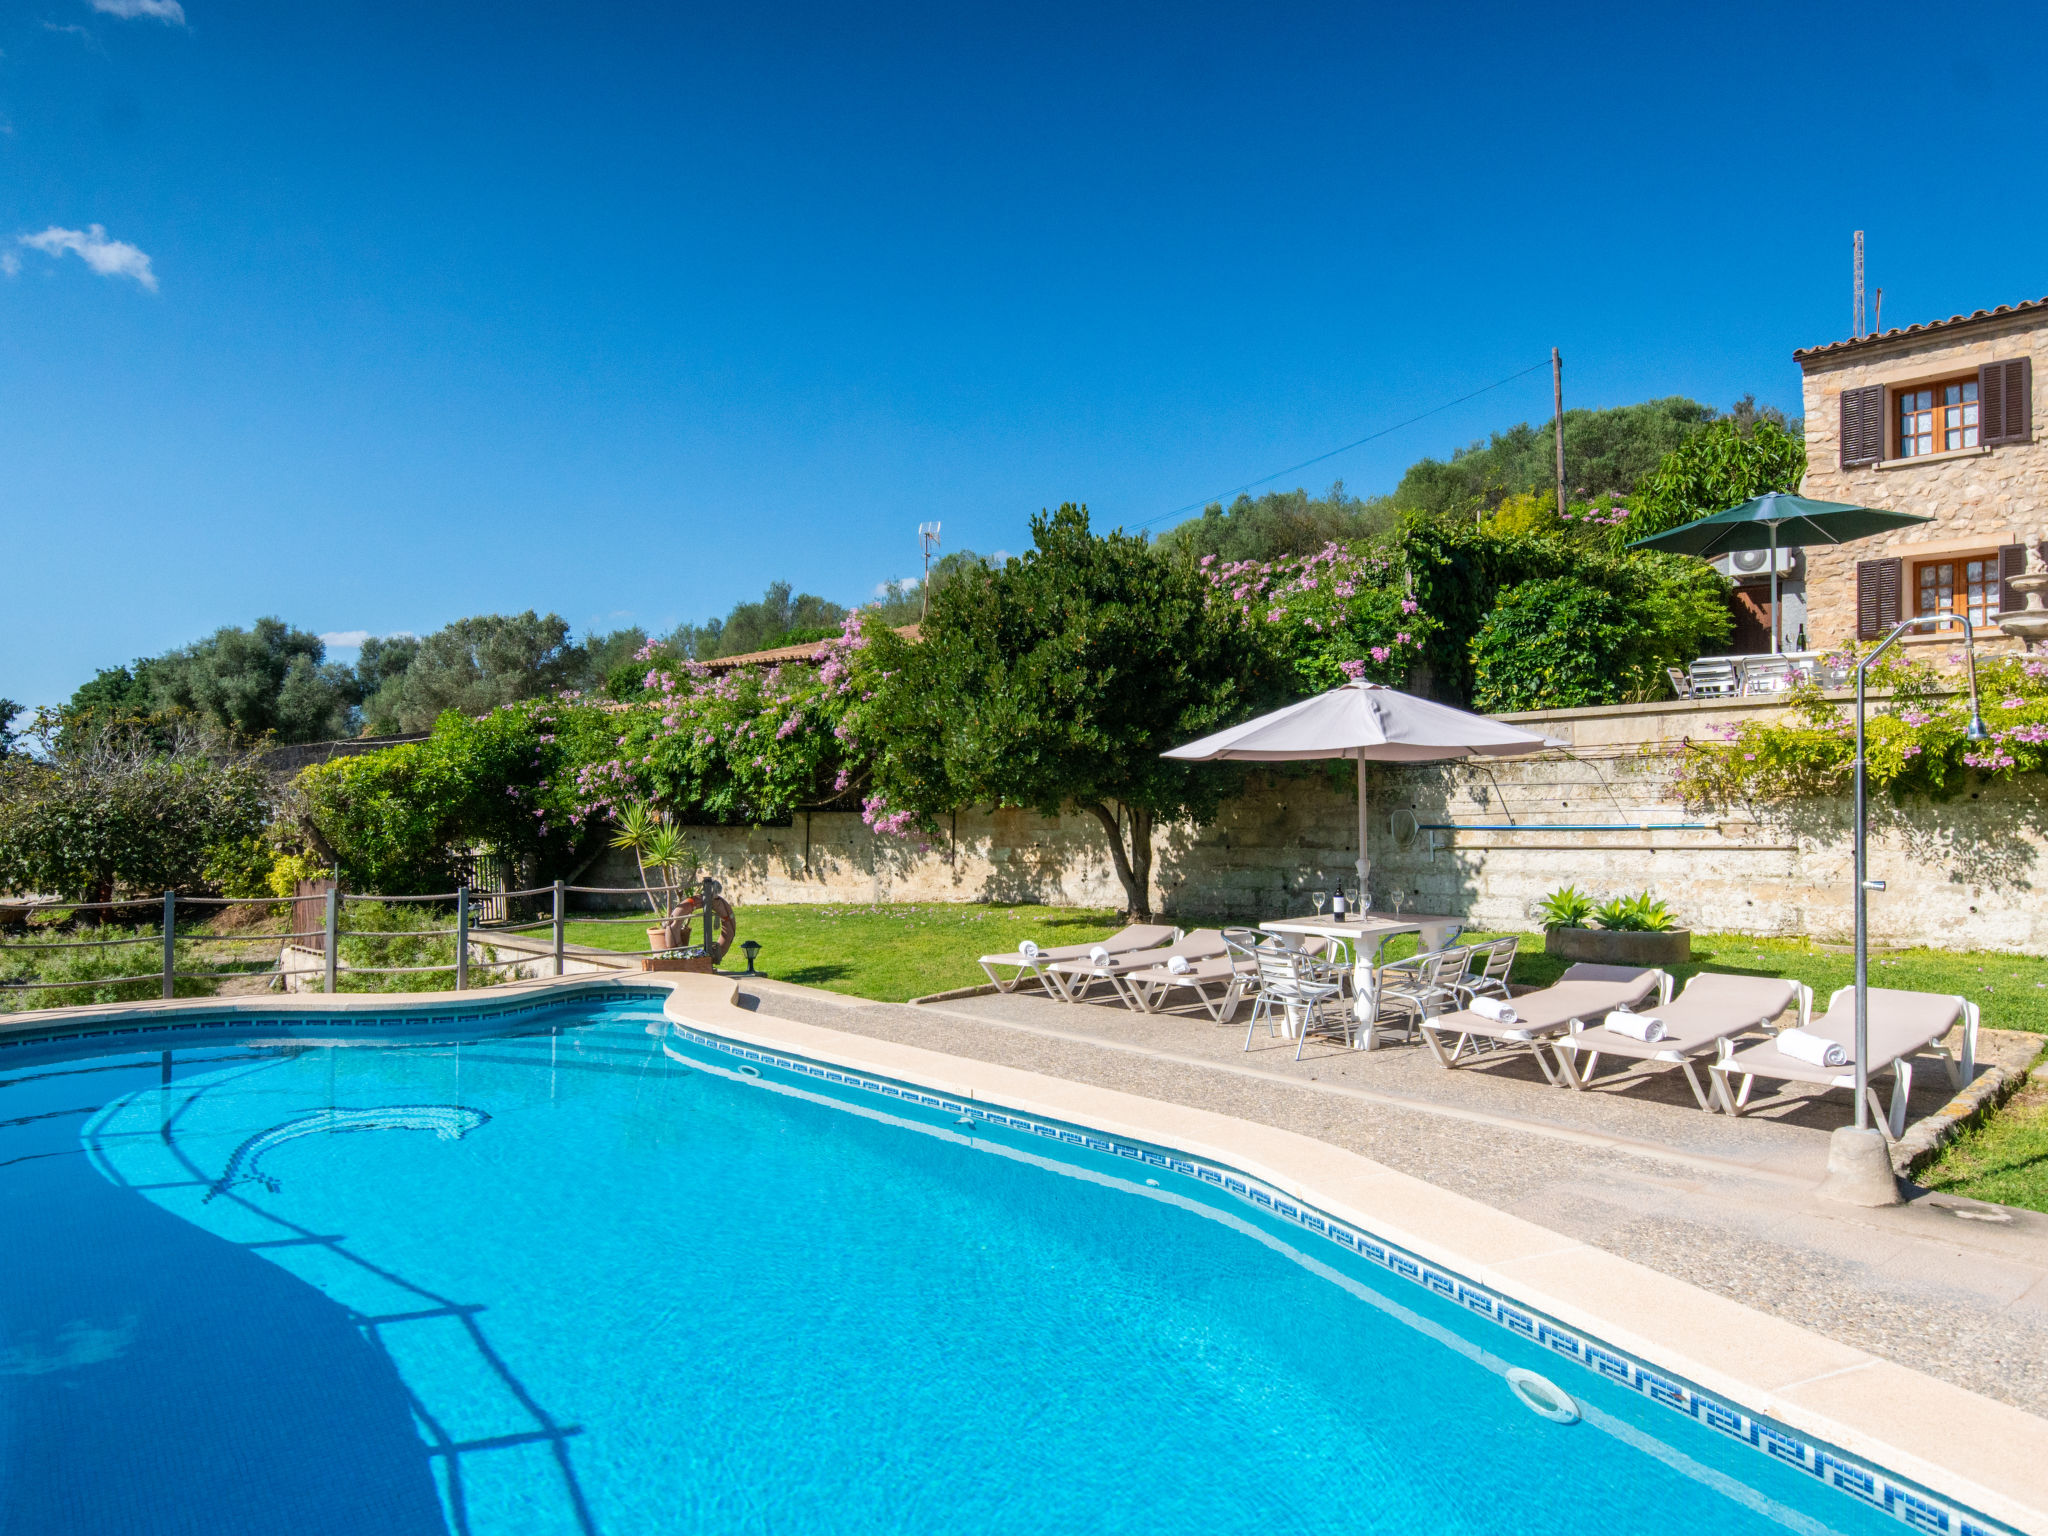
[{"x": 720, "y": 926}]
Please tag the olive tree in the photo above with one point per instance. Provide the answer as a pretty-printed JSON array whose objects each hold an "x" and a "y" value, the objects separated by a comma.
[
  {"x": 115, "y": 806},
  {"x": 1056, "y": 680}
]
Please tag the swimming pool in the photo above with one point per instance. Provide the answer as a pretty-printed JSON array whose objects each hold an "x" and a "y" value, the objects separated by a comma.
[{"x": 621, "y": 1275}]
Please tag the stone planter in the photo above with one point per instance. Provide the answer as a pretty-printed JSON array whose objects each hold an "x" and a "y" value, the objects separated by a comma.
[
  {"x": 1601, "y": 947},
  {"x": 702, "y": 964}
]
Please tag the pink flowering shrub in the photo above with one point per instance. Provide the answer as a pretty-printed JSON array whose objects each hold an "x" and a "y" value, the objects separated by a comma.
[
  {"x": 1331, "y": 615},
  {"x": 1914, "y": 738}
]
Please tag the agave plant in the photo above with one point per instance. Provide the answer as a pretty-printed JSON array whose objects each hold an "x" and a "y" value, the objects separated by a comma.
[
  {"x": 660, "y": 847},
  {"x": 1634, "y": 914},
  {"x": 1567, "y": 907}
]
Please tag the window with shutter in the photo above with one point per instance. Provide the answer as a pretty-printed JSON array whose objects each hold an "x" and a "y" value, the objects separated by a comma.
[
  {"x": 1862, "y": 426},
  {"x": 2006, "y": 390},
  {"x": 1877, "y": 597},
  {"x": 2012, "y": 561}
]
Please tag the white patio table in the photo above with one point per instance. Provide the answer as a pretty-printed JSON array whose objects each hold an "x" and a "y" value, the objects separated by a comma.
[{"x": 1369, "y": 931}]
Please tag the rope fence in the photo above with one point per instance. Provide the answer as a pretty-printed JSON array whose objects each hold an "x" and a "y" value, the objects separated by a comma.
[{"x": 325, "y": 940}]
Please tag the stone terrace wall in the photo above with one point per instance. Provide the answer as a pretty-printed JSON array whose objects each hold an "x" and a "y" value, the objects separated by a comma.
[{"x": 1963, "y": 874}]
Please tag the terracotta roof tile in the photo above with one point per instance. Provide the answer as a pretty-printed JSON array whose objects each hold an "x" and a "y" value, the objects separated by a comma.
[
  {"x": 808, "y": 650},
  {"x": 1855, "y": 343}
]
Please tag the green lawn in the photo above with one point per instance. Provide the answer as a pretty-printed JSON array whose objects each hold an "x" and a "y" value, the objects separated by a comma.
[
  {"x": 903, "y": 950},
  {"x": 889, "y": 953},
  {"x": 2004, "y": 1160}
]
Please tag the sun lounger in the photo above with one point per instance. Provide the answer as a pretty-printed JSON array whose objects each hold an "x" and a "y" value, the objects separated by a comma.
[
  {"x": 1901, "y": 1024},
  {"x": 1032, "y": 966},
  {"x": 1711, "y": 1010},
  {"x": 1216, "y": 985},
  {"x": 1072, "y": 979},
  {"x": 1583, "y": 992}
]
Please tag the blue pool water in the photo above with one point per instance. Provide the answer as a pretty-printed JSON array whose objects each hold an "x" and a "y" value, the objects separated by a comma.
[{"x": 608, "y": 1278}]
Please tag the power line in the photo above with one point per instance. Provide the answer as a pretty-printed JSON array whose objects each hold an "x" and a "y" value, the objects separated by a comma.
[{"x": 1196, "y": 506}]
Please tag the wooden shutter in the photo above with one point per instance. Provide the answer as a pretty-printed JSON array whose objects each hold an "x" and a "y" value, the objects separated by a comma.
[
  {"x": 2005, "y": 397},
  {"x": 1877, "y": 596},
  {"x": 1863, "y": 425},
  {"x": 2012, "y": 561}
]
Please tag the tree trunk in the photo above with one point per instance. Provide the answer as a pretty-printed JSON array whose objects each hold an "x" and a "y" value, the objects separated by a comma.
[{"x": 1133, "y": 864}]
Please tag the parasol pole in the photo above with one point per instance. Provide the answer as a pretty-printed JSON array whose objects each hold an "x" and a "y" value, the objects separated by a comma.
[
  {"x": 1364, "y": 863},
  {"x": 1777, "y": 631}
]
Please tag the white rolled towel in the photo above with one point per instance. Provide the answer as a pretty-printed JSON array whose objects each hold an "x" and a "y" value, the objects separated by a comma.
[
  {"x": 1498, "y": 1009},
  {"x": 1028, "y": 949},
  {"x": 1099, "y": 955},
  {"x": 1804, "y": 1045},
  {"x": 1178, "y": 964},
  {"x": 1637, "y": 1026}
]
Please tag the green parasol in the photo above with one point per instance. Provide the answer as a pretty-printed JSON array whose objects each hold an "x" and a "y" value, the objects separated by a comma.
[{"x": 1765, "y": 522}]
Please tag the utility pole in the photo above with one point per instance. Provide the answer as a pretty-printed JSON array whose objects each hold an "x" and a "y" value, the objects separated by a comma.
[
  {"x": 1557, "y": 420},
  {"x": 928, "y": 540}
]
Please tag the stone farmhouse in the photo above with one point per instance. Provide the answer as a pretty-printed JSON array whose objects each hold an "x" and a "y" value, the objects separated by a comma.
[{"x": 1935, "y": 419}]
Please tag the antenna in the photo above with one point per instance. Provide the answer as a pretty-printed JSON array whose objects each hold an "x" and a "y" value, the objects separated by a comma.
[
  {"x": 928, "y": 541},
  {"x": 1856, "y": 302},
  {"x": 1877, "y": 312}
]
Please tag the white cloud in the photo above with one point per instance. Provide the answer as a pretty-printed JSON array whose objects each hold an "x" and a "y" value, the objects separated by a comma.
[
  {"x": 109, "y": 258},
  {"x": 9, "y": 264},
  {"x": 352, "y": 639},
  {"x": 157, "y": 10}
]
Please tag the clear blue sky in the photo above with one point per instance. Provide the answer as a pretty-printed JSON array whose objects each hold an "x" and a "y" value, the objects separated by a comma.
[{"x": 405, "y": 312}]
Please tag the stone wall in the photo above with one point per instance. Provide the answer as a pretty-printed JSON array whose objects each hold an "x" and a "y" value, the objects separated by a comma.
[
  {"x": 1979, "y": 498},
  {"x": 1487, "y": 840}
]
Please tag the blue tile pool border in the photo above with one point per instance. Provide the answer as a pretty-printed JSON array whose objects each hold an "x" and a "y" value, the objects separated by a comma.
[{"x": 1914, "y": 1506}]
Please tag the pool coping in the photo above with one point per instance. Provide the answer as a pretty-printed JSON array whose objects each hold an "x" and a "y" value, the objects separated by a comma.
[{"x": 1981, "y": 1453}]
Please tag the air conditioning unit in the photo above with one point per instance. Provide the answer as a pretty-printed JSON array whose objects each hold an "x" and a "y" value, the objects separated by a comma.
[{"x": 1755, "y": 564}]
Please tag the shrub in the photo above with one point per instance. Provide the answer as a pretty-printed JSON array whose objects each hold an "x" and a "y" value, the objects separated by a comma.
[
  {"x": 138, "y": 806},
  {"x": 1567, "y": 907},
  {"x": 1553, "y": 645},
  {"x": 88, "y": 969},
  {"x": 1914, "y": 739},
  {"x": 1634, "y": 914},
  {"x": 398, "y": 935},
  {"x": 1327, "y": 616}
]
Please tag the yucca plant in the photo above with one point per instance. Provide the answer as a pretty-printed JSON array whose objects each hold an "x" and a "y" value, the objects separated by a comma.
[
  {"x": 658, "y": 846},
  {"x": 1567, "y": 907}
]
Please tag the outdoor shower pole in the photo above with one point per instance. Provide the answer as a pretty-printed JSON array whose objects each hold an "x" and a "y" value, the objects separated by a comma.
[
  {"x": 1864, "y": 884},
  {"x": 170, "y": 941},
  {"x": 558, "y": 927},
  {"x": 462, "y": 938}
]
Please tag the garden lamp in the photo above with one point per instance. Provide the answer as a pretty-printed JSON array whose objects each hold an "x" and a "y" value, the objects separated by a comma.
[
  {"x": 1974, "y": 731},
  {"x": 750, "y": 949}
]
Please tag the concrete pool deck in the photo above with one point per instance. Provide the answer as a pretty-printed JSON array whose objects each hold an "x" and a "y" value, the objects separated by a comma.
[{"x": 1943, "y": 1285}]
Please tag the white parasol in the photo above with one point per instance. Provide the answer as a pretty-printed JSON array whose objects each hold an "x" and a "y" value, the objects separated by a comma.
[{"x": 1365, "y": 721}]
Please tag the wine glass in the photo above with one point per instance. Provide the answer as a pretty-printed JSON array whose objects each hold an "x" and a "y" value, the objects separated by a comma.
[
  {"x": 1322, "y": 901},
  {"x": 1364, "y": 900}
]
